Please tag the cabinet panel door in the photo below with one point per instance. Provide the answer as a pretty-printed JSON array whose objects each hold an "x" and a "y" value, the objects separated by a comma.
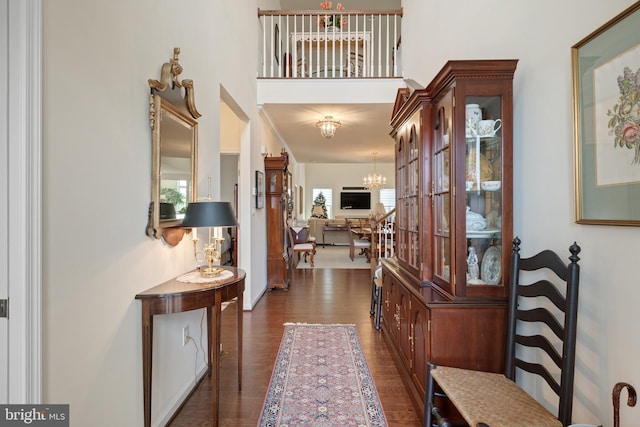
[
  {"x": 420, "y": 343},
  {"x": 404, "y": 329},
  {"x": 387, "y": 304},
  {"x": 392, "y": 303},
  {"x": 469, "y": 337}
]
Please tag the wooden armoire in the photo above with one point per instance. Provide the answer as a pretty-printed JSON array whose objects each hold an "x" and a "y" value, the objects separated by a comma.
[{"x": 276, "y": 204}]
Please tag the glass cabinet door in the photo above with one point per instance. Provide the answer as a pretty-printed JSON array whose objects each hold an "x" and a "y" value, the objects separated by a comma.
[
  {"x": 444, "y": 267},
  {"x": 408, "y": 198},
  {"x": 413, "y": 223},
  {"x": 401, "y": 201},
  {"x": 483, "y": 190}
]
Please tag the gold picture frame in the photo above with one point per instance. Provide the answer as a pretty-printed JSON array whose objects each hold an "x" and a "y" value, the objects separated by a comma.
[{"x": 606, "y": 109}]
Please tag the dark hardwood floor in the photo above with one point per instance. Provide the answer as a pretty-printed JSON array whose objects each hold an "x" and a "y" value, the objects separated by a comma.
[{"x": 315, "y": 296}]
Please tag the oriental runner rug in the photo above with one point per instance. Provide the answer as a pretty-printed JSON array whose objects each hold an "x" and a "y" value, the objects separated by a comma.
[{"x": 321, "y": 379}]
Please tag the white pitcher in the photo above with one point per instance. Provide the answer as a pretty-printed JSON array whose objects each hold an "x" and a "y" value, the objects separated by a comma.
[{"x": 473, "y": 116}]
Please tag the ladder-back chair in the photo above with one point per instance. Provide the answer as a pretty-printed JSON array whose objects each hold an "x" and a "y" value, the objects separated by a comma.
[
  {"x": 490, "y": 399},
  {"x": 376, "y": 296}
]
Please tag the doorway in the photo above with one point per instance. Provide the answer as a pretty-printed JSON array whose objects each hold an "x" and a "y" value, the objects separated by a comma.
[{"x": 230, "y": 134}]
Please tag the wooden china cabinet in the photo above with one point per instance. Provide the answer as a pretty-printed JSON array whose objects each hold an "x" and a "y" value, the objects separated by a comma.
[
  {"x": 445, "y": 293},
  {"x": 277, "y": 180}
]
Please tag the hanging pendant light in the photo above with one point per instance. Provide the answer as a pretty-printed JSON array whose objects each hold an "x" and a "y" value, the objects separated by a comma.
[
  {"x": 328, "y": 126},
  {"x": 374, "y": 180}
]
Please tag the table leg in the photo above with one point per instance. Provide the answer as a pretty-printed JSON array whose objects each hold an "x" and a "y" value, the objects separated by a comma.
[
  {"x": 147, "y": 354},
  {"x": 210, "y": 339},
  {"x": 323, "y": 238},
  {"x": 215, "y": 360},
  {"x": 239, "y": 305}
]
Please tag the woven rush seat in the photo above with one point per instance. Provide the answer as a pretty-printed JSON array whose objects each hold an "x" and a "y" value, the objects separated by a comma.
[{"x": 491, "y": 399}]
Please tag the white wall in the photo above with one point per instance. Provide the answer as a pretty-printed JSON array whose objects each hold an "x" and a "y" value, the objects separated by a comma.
[
  {"x": 230, "y": 130},
  {"x": 336, "y": 176},
  {"x": 97, "y": 58},
  {"x": 540, "y": 34},
  {"x": 228, "y": 176}
]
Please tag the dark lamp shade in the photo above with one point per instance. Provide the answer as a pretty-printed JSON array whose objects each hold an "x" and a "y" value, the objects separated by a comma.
[
  {"x": 209, "y": 214},
  {"x": 167, "y": 211}
]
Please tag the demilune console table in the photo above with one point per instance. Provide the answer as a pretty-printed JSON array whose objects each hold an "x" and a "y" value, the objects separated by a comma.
[{"x": 174, "y": 296}]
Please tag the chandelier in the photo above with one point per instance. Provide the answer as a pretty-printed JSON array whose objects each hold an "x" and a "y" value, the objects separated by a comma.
[
  {"x": 328, "y": 126},
  {"x": 374, "y": 181}
]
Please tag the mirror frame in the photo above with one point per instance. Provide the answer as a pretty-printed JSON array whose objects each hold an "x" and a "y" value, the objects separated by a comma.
[{"x": 170, "y": 96}]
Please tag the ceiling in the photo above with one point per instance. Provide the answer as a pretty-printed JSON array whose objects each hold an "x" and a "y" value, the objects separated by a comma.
[
  {"x": 364, "y": 130},
  {"x": 365, "y": 127}
]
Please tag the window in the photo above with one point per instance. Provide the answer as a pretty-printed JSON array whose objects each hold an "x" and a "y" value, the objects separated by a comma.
[
  {"x": 328, "y": 197},
  {"x": 388, "y": 198},
  {"x": 175, "y": 191}
]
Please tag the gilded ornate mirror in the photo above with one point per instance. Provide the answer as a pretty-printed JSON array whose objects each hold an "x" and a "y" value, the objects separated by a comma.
[{"x": 174, "y": 130}]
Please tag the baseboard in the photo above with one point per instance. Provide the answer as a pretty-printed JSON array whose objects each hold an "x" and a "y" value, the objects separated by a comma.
[
  {"x": 255, "y": 301},
  {"x": 188, "y": 389}
]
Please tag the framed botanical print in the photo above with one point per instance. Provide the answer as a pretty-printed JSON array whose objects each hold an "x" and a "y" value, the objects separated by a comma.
[
  {"x": 606, "y": 99},
  {"x": 259, "y": 190}
]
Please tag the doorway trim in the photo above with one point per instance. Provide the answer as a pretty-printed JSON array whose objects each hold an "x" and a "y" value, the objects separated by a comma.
[{"x": 24, "y": 199}]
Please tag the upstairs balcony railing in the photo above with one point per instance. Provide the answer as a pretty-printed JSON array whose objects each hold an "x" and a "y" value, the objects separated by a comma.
[{"x": 330, "y": 44}]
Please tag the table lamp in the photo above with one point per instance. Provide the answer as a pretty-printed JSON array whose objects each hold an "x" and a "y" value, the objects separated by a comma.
[{"x": 209, "y": 214}]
